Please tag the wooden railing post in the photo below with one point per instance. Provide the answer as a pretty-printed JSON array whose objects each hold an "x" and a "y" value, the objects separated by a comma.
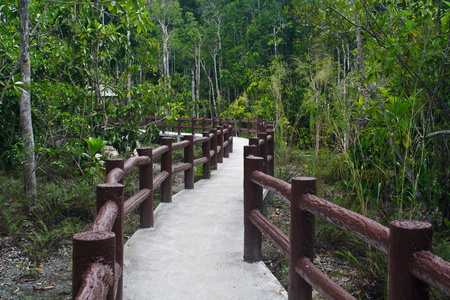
[
  {"x": 166, "y": 165},
  {"x": 301, "y": 237},
  {"x": 263, "y": 149},
  {"x": 249, "y": 126},
  {"x": 254, "y": 142},
  {"x": 240, "y": 127},
  {"x": 112, "y": 163},
  {"x": 230, "y": 137},
  {"x": 405, "y": 238},
  {"x": 252, "y": 200},
  {"x": 271, "y": 152},
  {"x": 213, "y": 146},
  {"x": 203, "y": 124},
  {"x": 189, "y": 158},
  {"x": 220, "y": 144},
  {"x": 114, "y": 192},
  {"x": 226, "y": 138},
  {"x": 90, "y": 247},
  {"x": 146, "y": 182},
  {"x": 179, "y": 127},
  {"x": 193, "y": 123},
  {"x": 205, "y": 153}
]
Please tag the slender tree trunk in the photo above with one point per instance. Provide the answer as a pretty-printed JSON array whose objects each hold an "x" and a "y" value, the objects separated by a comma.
[
  {"x": 359, "y": 59},
  {"x": 216, "y": 76},
  {"x": 197, "y": 55},
  {"x": 26, "y": 125},
  {"x": 193, "y": 93},
  {"x": 166, "y": 36},
  {"x": 128, "y": 98},
  {"x": 275, "y": 42},
  {"x": 94, "y": 52}
]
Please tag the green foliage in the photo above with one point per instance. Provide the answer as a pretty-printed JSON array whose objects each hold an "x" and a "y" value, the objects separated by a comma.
[{"x": 93, "y": 168}]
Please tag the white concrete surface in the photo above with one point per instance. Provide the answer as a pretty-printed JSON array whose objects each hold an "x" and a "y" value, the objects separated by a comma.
[{"x": 195, "y": 250}]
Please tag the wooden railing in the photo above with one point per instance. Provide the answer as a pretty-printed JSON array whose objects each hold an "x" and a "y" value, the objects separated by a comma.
[
  {"x": 250, "y": 127},
  {"x": 98, "y": 253},
  {"x": 412, "y": 268}
]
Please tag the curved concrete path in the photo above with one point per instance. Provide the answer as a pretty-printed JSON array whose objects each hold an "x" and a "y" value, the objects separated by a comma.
[{"x": 195, "y": 250}]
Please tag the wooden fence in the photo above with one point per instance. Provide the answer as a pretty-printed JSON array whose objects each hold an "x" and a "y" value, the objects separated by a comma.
[
  {"x": 412, "y": 268},
  {"x": 98, "y": 253},
  {"x": 250, "y": 127}
]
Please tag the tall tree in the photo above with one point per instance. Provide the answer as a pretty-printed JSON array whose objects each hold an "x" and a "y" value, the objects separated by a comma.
[
  {"x": 26, "y": 125},
  {"x": 166, "y": 13}
]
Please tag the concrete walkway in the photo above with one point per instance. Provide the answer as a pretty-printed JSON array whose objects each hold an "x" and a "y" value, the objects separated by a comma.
[{"x": 195, "y": 249}]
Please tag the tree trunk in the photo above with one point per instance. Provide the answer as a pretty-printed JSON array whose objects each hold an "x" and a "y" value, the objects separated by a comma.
[
  {"x": 166, "y": 36},
  {"x": 216, "y": 77},
  {"x": 198, "y": 50},
  {"x": 193, "y": 93},
  {"x": 26, "y": 125},
  {"x": 128, "y": 97},
  {"x": 359, "y": 62}
]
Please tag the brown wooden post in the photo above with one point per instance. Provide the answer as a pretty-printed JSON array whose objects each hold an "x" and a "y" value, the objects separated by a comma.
[
  {"x": 213, "y": 146},
  {"x": 207, "y": 154},
  {"x": 231, "y": 129},
  {"x": 249, "y": 126},
  {"x": 252, "y": 200},
  {"x": 271, "y": 152},
  {"x": 226, "y": 138},
  {"x": 179, "y": 127},
  {"x": 220, "y": 144},
  {"x": 215, "y": 122},
  {"x": 90, "y": 247},
  {"x": 146, "y": 182},
  {"x": 114, "y": 192},
  {"x": 112, "y": 163},
  {"x": 263, "y": 149},
  {"x": 405, "y": 238},
  {"x": 203, "y": 124},
  {"x": 189, "y": 158},
  {"x": 166, "y": 165},
  {"x": 240, "y": 127},
  {"x": 254, "y": 142},
  {"x": 301, "y": 237}
]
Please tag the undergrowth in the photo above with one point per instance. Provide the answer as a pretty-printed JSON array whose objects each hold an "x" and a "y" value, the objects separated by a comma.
[{"x": 44, "y": 223}]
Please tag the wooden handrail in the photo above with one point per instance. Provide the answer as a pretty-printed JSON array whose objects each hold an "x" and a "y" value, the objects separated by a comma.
[
  {"x": 273, "y": 233},
  {"x": 99, "y": 279},
  {"x": 327, "y": 287},
  {"x": 132, "y": 162},
  {"x": 431, "y": 269},
  {"x": 135, "y": 200},
  {"x": 105, "y": 217},
  {"x": 366, "y": 229}
]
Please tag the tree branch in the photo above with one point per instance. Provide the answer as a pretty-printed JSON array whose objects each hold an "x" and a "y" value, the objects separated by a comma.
[{"x": 440, "y": 132}]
